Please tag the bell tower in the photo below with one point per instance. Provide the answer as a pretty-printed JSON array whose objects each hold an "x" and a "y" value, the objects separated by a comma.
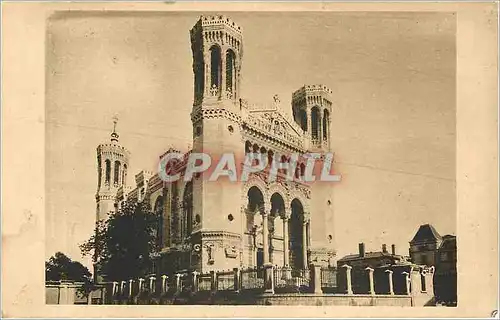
[
  {"x": 112, "y": 166},
  {"x": 312, "y": 107},
  {"x": 217, "y": 47},
  {"x": 216, "y": 42}
]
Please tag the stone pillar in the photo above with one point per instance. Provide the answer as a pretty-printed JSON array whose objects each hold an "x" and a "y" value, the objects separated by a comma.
[
  {"x": 304, "y": 239},
  {"x": 286, "y": 240},
  {"x": 407, "y": 282},
  {"x": 207, "y": 80},
  {"x": 320, "y": 125},
  {"x": 348, "y": 278},
  {"x": 236, "y": 272},
  {"x": 265, "y": 235},
  {"x": 309, "y": 129},
  {"x": 164, "y": 286},
  {"x": 222, "y": 87},
  {"x": 370, "y": 280},
  {"x": 316, "y": 278},
  {"x": 268, "y": 278},
  {"x": 391, "y": 284}
]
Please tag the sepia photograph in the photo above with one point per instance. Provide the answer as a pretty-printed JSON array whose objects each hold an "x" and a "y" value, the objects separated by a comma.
[
  {"x": 275, "y": 159},
  {"x": 267, "y": 157}
]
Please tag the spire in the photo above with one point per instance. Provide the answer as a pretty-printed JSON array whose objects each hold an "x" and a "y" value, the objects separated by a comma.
[{"x": 114, "y": 135}]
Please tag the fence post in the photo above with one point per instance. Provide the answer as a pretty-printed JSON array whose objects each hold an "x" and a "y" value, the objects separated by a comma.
[
  {"x": 164, "y": 285},
  {"x": 348, "y": 277},
  {"x": 195, "y": 281},
  {"x": 316, "y": 278},
  {"x": 141, "y": 281},
  {"x": 178, "y": 282},
  {"x": 391, "y": 284},
  {"x": 130, "y": 282},
  {"x": 268, "y": 278},
  {"x": 152, "y": 280},
  {"x": 213, "y": 281},
  {"x": 236, "y": 272},
  {"x": 370, "y": 280}
]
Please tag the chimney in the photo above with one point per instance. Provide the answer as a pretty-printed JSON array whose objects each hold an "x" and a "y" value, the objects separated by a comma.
[
  {"x": 384, "y": 248},
  {"x": 393, "y": 249},
  {"x": 361, "y": 249}
]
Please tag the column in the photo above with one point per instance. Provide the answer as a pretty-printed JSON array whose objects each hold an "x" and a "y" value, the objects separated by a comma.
[
  {"x": 286, "y": 240},
  {"x": 304, "y": 240},
  {"x": 348, "y": 278},
  {"x": 320, "y": 125},
  {"x": 222, "y": 87},
  {"x": 265, "y": 235},
  {"x": 309, "y": 129},
  {"x": 391, "y": 284},
  {"x": 370, "y": 280}
]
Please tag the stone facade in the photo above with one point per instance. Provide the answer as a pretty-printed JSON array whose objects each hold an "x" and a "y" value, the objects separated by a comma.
[{"x": 220, "y": 225}]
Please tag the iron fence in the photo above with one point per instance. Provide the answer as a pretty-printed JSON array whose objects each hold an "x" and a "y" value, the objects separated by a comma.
[{"x": 252, "y": 279}]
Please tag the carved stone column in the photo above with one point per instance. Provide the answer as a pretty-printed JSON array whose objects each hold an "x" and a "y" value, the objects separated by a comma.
[
  {"x": 265, "y": 235},
  {"x": 222, "y": 88},
  {"x": 305, "y": 221},
  {"x": 286, "y": 240},
  {"x": 391, "y": 284},
  {"x": 309, "y": 129},
  {"x": 320, "y": 125}
]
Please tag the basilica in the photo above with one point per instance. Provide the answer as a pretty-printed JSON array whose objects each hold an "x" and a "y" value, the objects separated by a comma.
[{"x": 219, "y": 225}]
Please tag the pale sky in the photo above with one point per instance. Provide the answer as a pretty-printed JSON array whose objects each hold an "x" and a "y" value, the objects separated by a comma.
[{"x": 393, "y": 120}]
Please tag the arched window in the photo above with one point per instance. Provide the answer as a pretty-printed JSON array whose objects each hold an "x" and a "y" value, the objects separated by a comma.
[
  {"x": 99, "y": 172},
  {"x": 117, "y": 172},
  {"x": 326, "y": 121},
  {"x": 230, "y": 70},
  {"x": 108, "y": 171},
  {"x": 303, "y": 120},
  {"x": 215, "y": 66},
  {"x": 124, "y": 175},
  {"x": 315, "y": 123}
]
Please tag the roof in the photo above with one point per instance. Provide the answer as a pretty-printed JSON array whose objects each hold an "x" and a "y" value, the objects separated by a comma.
[
  {"x": 369, "y": 255},
  {"x": 426, "y": 232},
  {"x": 449, "y": 242}
]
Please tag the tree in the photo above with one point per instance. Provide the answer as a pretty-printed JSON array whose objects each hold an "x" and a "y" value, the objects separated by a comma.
[
  {"x": 124, "y": 245},
  {"x": 61, "y": 267}
]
